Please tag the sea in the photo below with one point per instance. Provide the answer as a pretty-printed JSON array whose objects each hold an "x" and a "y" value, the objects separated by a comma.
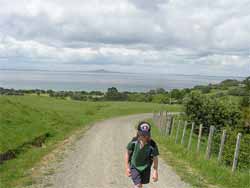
[{"x": 101, "y": 80}]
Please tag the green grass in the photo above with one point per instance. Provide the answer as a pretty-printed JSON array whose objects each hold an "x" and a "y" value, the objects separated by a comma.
[
  {"x": 193, "y": 168},
  {"x": 23, "y": 118}
]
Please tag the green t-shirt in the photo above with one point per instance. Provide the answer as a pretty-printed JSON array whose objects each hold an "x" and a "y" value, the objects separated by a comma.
[{"x": 140, "y": 158}]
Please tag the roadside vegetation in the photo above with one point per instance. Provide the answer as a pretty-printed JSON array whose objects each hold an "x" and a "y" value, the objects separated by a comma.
[
  {"x": 225, "y": 109},
  {"x": 193, "y": 168}
]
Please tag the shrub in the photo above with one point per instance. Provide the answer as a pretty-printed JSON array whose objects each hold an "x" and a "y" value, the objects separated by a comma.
[
  {"x": 209, "y": 111},
  {"x": 238, "y": 91}
]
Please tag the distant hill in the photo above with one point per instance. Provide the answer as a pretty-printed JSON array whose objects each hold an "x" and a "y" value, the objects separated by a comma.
[
  {"x": 104, "y": 71},
  {"x": 42, "y": 70}
]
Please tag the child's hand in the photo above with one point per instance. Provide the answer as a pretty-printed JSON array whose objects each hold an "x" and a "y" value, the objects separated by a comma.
[
  {"x": 155, "y": 175},
  {"x": 128, "y": 172}
]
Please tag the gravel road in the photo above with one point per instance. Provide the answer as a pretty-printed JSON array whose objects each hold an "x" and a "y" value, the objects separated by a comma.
[{"x": 97, "y": 159}]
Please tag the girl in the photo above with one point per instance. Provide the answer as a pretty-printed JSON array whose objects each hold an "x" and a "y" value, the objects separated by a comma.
[{"x": 141, "y": 153}]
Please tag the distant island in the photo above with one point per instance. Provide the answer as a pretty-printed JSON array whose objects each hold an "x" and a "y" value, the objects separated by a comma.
[
  {"x": 105, "y": 71},
  {"x": 44, "y": 70}
]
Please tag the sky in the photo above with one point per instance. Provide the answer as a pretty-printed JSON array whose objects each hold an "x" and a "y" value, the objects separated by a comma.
[{"x": 149, "y": 36}]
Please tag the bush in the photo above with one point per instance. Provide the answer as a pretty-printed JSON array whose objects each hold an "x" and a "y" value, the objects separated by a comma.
[
  {"x": 139, "y": 97},
  {"x": 209, "y": 111},
  {"x": 220, "y": 94},
  {"x": 229, "y": 83},
  {"x": 239, "y": 91},
  {"x": 245, "y": 102},
  {"x": 246, "y": 119},
  {"x": 161, "y": 98}
]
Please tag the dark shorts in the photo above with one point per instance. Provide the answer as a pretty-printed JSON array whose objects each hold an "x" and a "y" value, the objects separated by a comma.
[{"x": 140, "y": 177}]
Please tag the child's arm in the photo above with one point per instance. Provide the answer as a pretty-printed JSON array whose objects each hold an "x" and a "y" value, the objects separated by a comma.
[
  {"x": 127, "y": 168},
  {"x": 155, "y": 169}
]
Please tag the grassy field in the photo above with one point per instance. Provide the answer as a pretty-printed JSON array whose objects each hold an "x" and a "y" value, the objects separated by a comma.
[
  {"x": 193, "y": 167},
  {"x": 25, "y": 118}
]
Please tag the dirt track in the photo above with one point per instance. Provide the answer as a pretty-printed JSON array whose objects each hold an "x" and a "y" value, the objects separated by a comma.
[{"x": 96, "y": 160}]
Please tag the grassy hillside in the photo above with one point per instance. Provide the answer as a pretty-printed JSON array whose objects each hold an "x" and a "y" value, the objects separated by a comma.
[{"x": 25, "y": 118}]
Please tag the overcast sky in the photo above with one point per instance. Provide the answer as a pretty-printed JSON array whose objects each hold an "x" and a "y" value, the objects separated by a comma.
[{"x": 166, "y": 36}]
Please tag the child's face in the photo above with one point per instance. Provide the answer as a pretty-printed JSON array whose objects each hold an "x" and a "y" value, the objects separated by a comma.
[{"x": 144, "y": 138}]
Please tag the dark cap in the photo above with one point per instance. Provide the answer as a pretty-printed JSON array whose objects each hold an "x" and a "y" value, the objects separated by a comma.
[{"x": 144, "y": 128}]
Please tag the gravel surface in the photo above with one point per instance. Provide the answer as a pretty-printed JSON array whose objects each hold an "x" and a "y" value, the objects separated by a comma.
[{"x": 97, "y": 159}]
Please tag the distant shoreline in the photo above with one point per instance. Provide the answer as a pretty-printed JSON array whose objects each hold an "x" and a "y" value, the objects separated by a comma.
[{"x": 117, "y": 72}]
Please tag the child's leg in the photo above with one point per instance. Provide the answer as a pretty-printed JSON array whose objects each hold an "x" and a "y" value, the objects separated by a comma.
[
  {"x": 138, "y": 186},
  {"x": 145, "y": 176},
  {"x": 136, "y": 177}
]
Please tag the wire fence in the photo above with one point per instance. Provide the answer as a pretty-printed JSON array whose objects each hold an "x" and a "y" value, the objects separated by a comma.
[{"x": 225, "y": 146}]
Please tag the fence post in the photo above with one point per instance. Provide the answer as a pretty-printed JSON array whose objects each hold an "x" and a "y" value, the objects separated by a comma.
[
  {"x": 199, "y": 138},
  {"x": 223, "y": 137},
  {"x": 177, "y": 131},
  {"x": 166, "y": 124},
  {"x": 155, "y": 117},
  {"x": 160, "y": 120},
  {"x": 184, "y": 132},
  {"x": 236, "y": 152},
  {"x": 190, "y": 137},
  {"x": 209, "y": 144},
  {"x": 172, "y": 128},
  {"x": 162, "y": 123}
]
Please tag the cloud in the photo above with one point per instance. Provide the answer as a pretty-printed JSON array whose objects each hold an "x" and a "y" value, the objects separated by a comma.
[
  {"x": 152, "y": 5},
  {"x": 149, "y": 35}
]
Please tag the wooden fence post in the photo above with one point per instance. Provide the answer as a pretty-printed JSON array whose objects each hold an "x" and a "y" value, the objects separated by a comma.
[
  {"x": 172, "y": 128},
  {"x": 236, "y": 152},
  {"x": 222, "y": 142},
  {"x": 160, "y": 121},
  {"x": 177, "y": 131},
  {"x": 190, "y": 137},
  {"x": 184, "y": 132},
  {"x": 160, "y": 115},
  {"x": 157, "y": 120},
  {"x": 155, "y": 117},
  {"x": 166, "y": 124},
  {"x": 199, "y": 138},
  {"x": 209, "y": 144}
]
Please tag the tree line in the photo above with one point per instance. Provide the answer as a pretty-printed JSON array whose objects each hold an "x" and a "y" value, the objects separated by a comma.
[{"x": 159, "y": 95}]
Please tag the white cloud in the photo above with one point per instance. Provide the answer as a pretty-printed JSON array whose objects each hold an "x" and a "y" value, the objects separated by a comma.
[{"x": 156, "y": 34}]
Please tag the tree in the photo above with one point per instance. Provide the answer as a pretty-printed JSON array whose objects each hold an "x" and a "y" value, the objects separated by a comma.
[
  {"x": 245, "y": 102},
  {"x": 112, "y": 94},
  {"x": 247, "y": 83},
  {"x": 229, "y": 83},
  {"x": 160, "y": 91}
]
